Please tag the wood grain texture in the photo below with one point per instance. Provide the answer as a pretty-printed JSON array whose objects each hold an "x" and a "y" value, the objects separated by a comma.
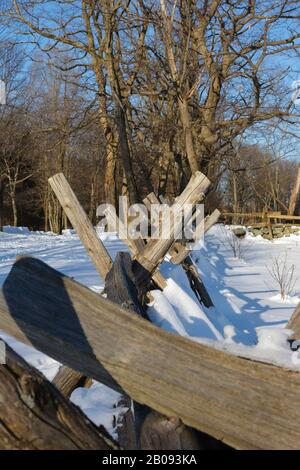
[
  {"x": 181, "y": 256},
  {"x": 181, "y": 251},
  {"x": 135, "y": 245},
  {"x": 81, "y": 223},
  {"x": 35, "y": 416},
  {"x": 211, "y": 220},
  {"x": 120, "y": 287},
  {"x": 246, "y": 404},
  {"x": 161, "y": 433},
  {"x": 67, "y": 380}
]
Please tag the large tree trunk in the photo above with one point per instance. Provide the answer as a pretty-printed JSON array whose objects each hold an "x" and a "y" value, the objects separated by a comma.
[
  {"x": 295, "y": 194},
  {"x": 14, "y": 207},
  {"x": 110, "y": 175},
  {"x": 182, "y": 101},
  {"x": 188, "y": 136},
  {"x": 2, "y": 187},
  {"x": 35, "y": 416},
  {"x": 126, "y": 156},
  {"x": 116, "y": 82}
]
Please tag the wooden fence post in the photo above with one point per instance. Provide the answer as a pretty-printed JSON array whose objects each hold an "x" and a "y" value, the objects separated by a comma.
[
  {"x": 180, "y": 252},
  {"x": 133, "y": 433},
  {"x": 135, "y": 245},
  {"x": 34, "y": 415},
  {"x": 156, "y": 249},
  {"x": 294, "y": 322},
  {"x": 67, "y": 380},
  {"x": 81, "y": 223}
]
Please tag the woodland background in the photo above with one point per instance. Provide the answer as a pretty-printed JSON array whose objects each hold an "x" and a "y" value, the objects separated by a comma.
[{"x": 129, "y": 97}]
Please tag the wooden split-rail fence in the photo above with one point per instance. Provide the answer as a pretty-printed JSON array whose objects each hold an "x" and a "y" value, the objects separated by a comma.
[
  {"x": 264, "y": 217},
  {"x": 270, "y": 220},
  {"x": 179, "y": 394}
]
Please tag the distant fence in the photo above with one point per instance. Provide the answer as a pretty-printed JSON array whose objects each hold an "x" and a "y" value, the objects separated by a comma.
[{"x": 264, "y": 218}]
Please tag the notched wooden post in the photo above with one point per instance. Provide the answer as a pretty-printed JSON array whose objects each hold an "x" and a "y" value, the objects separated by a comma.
[
  {"x": 135, "y": 245},
  {"x": 147, "y": 260},
  {"x": 137, "y": 431},
  {"x": 67, "y": 380},
  {"x": 180, "y": 251}
]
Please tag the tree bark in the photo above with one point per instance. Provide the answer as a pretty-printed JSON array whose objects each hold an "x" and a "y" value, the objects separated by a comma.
[
  {"x": 2, "y": 188},
  {"x": 295, "y": 194},
  {"x": 188, "y": 135},
  {"x": 126, "y": 155},
  {"x": 14, "y": 206}
]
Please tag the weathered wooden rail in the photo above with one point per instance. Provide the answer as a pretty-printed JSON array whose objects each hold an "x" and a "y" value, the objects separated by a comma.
[
  {"x": 246, "y": 404},
  {"x": 36, "y": 416}
]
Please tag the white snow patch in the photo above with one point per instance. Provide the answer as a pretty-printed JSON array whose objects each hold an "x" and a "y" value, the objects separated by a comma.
[
  {"x": 99, "y": 403},
  {"x": 288, "y": 299}
]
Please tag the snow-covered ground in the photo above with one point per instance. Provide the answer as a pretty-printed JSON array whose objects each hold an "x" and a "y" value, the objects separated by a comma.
[{"x": 248, "y": 317}]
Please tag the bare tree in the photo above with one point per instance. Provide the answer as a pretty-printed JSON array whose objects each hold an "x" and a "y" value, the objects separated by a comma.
[
  {"x": 215, "y": 67},
  {"x": 283, "y": 275}
]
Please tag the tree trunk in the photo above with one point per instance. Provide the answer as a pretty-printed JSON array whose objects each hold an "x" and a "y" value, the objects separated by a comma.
[
  {"x": 126, "y": 155},
  {"x": 235, "y": 197},
  {"x": 46, "y": 210},
  {"x": 14, "y": 207},
  {"x": 188, "y": 136},
  {"x": 2, "y": 187},
  {"x": 295, "y": 194},
  {"x": 109, "y": 176}
]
